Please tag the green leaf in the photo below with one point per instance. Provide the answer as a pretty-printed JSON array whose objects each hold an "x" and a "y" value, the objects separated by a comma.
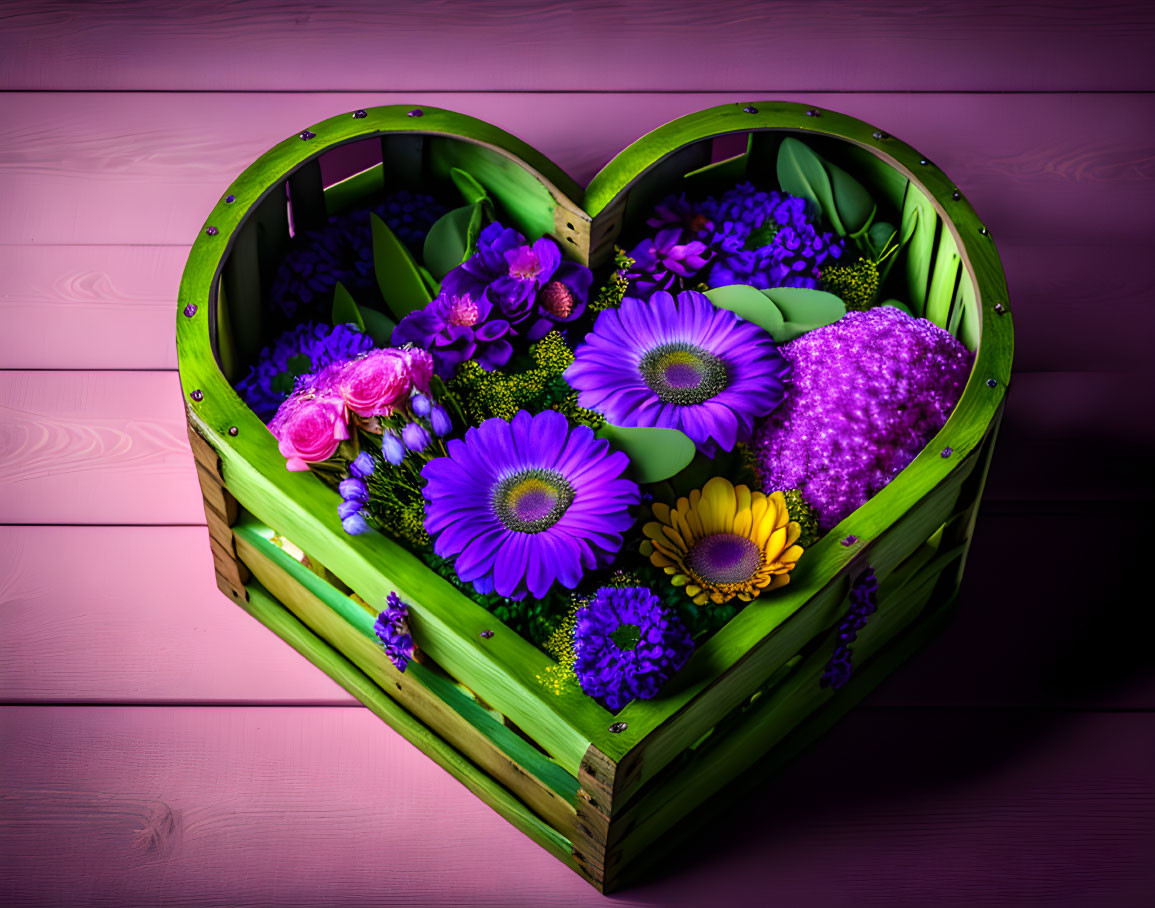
[
  {"x": 282, "y": 383},
  {"x": 431, "y": 283},
  {"x": 856, "y": 209},
  {"x": 378, "y": 326},
  {"x": 299, "y": 365},
  {"x": 801, "y": 173},
  {"x": 752, "y": 304},
  {"x": 884, "y": 181},
  {"x": 730, "y": 170},
  {"x": 919, "y": 223},
  {"x": 897, "y": 305},
  {"x": 471, "y": 191},
  {"x": 804, "y": 310},
  {"x": 943, "y": 279},
  {"x": 879, "y": 235},
  {"x": 345, "y": 311},
  {"x": 451, "y": 239},
  {"x": 397, "y": 276},
  {"x": 655, "y": 454}
]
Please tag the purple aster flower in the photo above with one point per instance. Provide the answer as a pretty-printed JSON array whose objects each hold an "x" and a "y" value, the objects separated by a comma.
[
  {"x": 680, "y": 364},
  {"x": 486, "y": 265},
  {"x": 527, "y": 503},
  {"x": 868, "y": 393},
  {"x": 454, "y": 329},
  {"x": 392, "y": 449},
  {"x": 415, "y": 437},
  {"x": 303, "y": 350},
  {"x": 419, "y": 404},
  {"x": 355, "y": 524},
  {"x": 361, "y": 466},
  {"x": 439, "y": 421},
  {"x": 626, "y": 646},
  {"x": 353, "y": 490},
  {"x": 392, "y": 629},
  {"x": 662, "y": 262},
  {"x": 348, "y": 508}
]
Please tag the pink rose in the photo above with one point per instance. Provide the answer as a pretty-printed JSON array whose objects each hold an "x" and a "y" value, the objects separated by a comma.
[
  {"x": 420, "y": 365},
  {"x": 373, "y": 384},
  {"x": 309, "y": 427}
]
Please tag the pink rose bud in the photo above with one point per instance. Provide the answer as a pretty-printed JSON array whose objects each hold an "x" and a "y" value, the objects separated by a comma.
[
  {"x": 376, "y": 383},
  {"x": 308, "y": 428},
  {"x": 420, "y": 364}
]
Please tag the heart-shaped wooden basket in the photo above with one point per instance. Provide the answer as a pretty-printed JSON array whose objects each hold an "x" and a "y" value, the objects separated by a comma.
[{"x": 598, "y": 790}]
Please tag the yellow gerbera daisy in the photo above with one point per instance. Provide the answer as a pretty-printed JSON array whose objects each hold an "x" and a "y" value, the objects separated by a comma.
[{"x": 724, "y": 541}]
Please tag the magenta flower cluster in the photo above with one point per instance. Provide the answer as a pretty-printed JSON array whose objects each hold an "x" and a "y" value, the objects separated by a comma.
[{"x": 868, "y": 393}]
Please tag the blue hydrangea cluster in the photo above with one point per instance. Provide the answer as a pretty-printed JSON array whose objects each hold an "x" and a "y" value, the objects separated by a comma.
[
  {"x": 392, "y": 629},
  {"x": 303, "y": 350},
  {"x": 342, "y": 251},
  {"x": 626, "y": 645},
  {"x": 748, "y": 236}
]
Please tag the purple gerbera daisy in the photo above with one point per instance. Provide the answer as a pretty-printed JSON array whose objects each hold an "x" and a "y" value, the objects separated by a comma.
[
  {"x": 626, "y": 646},
  {"x": 680, "y": 364},
  {"x": 525, "y": 503}
]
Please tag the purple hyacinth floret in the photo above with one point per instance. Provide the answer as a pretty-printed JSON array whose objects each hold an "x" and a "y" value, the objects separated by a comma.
[
  {"x": 665, "y": 261},
  {"x": 303, "y": 350},
  {"x": 341, "y": 250},
  {"x": 868, "y": 393},
  {"x": 863, "y": 604},
  {"x": 392, "y": 628},
  {"x": 508, "y": 292},
  {"x": 626, "y": 645}
]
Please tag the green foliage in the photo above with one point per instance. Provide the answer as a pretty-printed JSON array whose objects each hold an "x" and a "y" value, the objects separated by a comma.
[
  {"x": 801, "y": 173},
  {"x": 471, "y": 190},
  {"x": 452, "y": 238},
  {"x": 345, "y": 311},
  {"x": 785, "y": 312},
  {"x": 919, "y": 225},
  {"x": 655, "y": 454},
  {"x": 614, "y": 290},
  {"x": 378, "y": 326},
  {"x": 802, "y": 514},
  {"x": 750, "y": 303},
  {"x": 397, "y": 276},
  {"x": 856, "y": 285}
]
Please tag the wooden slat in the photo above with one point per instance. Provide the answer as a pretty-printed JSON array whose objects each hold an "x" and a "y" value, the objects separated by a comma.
[
  {"x": 56, "y": 299},
  {"x": 70, "y": 616},
  {"x": 110, "y": 447},
  {"x": 513, "y": 45},
  {"x": 249, "y": 806},
  {"x": 145, "y": 168}
]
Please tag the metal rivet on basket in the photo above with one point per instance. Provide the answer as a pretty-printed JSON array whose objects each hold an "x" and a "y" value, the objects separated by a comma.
[
  {"x": 850, "y": 540},
  {"x": 229, "y": 199},
  {"x": 947, "y": 452},
  {"x": 992, "y": 383},
  {"x": 418, "y": 112},
  {"x": 1000, "y": 309},
  {"x": 198, "y": 395},
  {"x": 190, "y": 310},
  {"x": 879, "y": 134},
  {"x": 813, "y": 112},
  {"x": 618, "y": 727},
  {"x": 984, "y": 231},
  {"x": 233, "y": 430},
  {"x": 924, "y": 162},
  {"x": 307, "y": 134},
  {"x": 956, "y": 195},
  {"x": 360, "y": 114},
  {"x": 749, "y": 108},
  {"x": 211, "y": 231},
  {"x": 486, "y": 634}
]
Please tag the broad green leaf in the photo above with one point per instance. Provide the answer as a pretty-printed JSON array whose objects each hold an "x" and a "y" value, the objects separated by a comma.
[
  {"x": 751, "y": 304},
  {"x": 345, "y": 311},
  {"x": 856, "y": 209},
  {"x": 919, "y": 223},
  {"x": 883, "y": 181},
  {"x": 880, "y": 234},
  {"x": 655, "y": 454},
  {"x": 431, "y": 283},
  {"x": 451, "y": 239},
  {"x": 897, "y": 305},
  {"x": 299, "y": 365},
  {"x": 968, "y": 327},
  {"x": 804, "y": 310},
  {"x": 801, "y": 173},
  {"x": 943, "y": 279},
  {"x": 471, "y": 191},
  {"x": 283, "y": 383},
  {"x": 397, "y": 277},
  {"x": 378, "y": 326}
]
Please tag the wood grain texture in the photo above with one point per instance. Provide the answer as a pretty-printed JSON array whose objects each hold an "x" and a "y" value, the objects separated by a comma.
[
  {"x": 57, "y": 299},
  {"x": 639, "y": 45},
  {"x": 61, "y": 585},
  {"x": 148, "y": 168},
  {"x": 291, "y": 806},
  {"x": 110, "y": 447}
]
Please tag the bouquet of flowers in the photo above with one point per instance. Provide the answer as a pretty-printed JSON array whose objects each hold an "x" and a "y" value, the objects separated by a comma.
[{"x": 613, "y": 464}]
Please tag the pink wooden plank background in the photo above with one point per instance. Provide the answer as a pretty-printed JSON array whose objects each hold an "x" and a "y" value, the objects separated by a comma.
[{"x": 159, "y": 746}]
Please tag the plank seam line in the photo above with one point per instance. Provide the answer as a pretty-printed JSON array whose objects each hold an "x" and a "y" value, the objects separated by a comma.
[{"x": 573, "y": 91}]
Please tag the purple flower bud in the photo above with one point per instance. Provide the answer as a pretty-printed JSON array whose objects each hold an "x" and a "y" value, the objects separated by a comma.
[
  {"x": 440, "y": 422},
  {"x": 392, "y": 449},
  {"x": 362, "y": 465},
  {"x": 347, "y": 509},
  {"x": 353, "y": 490},
  {"x": 355, "y": 525},
  {"x": 420, "y": 404},
  {"x": 415, "y": 437}
]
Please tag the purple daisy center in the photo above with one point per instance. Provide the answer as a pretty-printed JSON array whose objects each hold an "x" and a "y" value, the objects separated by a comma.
[
  {"x": 682, "y": 373},
  {"x": 531, "y": 501},
  {"x": 723, "y": 558}
]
